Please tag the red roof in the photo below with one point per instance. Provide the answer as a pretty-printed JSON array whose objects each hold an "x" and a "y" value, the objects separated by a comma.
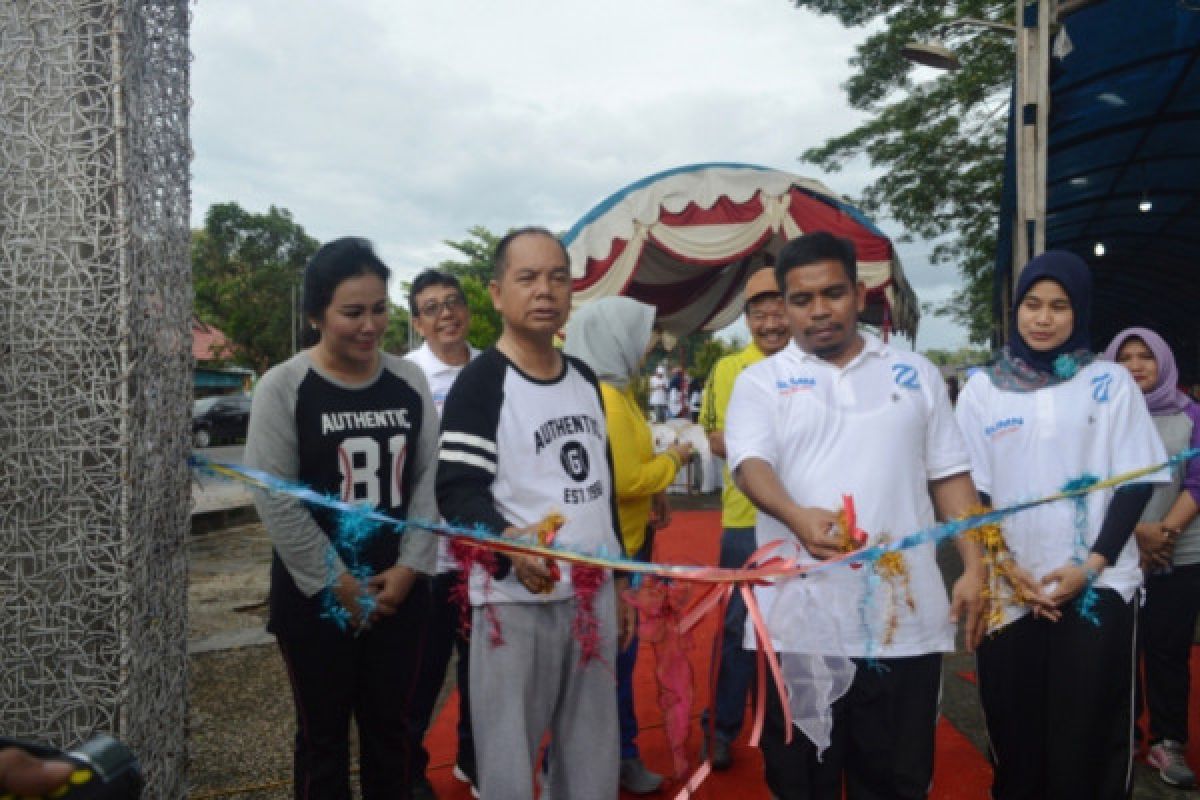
[{"x": 208, "y": 343}]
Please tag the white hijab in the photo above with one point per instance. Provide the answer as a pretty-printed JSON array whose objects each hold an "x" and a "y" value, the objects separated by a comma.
[{"x": 610, "y": 335}]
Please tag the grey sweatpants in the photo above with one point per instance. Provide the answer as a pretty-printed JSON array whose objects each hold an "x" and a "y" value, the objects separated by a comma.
[{"x": 533, "y": 685}]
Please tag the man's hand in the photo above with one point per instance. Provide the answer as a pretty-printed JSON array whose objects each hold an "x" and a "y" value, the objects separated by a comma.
[
  {"x": 626, "y": 617},
  {"x": 966, "y": 601},
  {"x": 390, "y": 588},
  {"x": 817, "y": 529},
  {"x": 535, "y": 573},
  {"x": 28, "y": 775}
]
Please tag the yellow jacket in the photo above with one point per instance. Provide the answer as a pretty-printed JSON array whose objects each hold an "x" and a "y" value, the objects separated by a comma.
[{"x": 638, "y": 473}]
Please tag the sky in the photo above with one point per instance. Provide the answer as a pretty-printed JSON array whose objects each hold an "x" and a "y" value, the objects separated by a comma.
[{"x": 409, "y": 123}]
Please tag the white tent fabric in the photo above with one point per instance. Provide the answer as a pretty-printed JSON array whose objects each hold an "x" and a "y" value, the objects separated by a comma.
[{"x": 684, "y": 241}]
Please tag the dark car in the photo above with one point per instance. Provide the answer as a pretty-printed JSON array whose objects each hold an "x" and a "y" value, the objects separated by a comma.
[{"x": 224, "y": 417}]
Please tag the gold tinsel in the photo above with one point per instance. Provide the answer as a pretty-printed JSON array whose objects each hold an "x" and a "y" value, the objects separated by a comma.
[
  {"x": 891, "y": 567},
  {"x": 1000, "y": 591}
]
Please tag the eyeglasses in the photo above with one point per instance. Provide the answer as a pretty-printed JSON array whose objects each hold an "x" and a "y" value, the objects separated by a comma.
[
  {"x": 434, "y": 308},
  {"x": 763, "y": 316},
  {"x": 761, "y": 309}
]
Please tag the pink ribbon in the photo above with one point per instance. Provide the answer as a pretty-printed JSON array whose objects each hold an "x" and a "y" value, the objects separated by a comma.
[{"x": 718, "y": 597}]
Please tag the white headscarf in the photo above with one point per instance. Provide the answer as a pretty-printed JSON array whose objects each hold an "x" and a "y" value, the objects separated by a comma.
[{"x": 610, "y": 335}]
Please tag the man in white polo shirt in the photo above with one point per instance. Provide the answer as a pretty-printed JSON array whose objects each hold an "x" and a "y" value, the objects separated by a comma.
[
  {"x": 835, "y": 413},
  {"x": 440, "y": 314}
]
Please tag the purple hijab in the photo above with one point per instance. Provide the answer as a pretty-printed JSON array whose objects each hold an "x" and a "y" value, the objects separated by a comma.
[{"x": 1165, "y": 398}]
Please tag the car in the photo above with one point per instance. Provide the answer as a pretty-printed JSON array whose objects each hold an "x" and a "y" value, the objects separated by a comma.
[{"x": 220, "y": 418}]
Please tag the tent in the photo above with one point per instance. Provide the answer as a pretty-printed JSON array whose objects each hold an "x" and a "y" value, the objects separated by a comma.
[{"x": 685, "y": 240}]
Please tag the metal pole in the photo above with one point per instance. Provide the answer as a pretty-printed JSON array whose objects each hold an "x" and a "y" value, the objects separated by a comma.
[{"x": 1032, "y": 77}]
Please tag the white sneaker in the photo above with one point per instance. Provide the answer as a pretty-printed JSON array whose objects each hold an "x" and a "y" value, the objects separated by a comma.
[{"x": 1168, "y": 757}]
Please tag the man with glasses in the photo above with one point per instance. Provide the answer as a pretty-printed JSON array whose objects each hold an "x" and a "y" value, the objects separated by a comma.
[
  {"x": 769, "y": 334},
  {"x": 440, "y": 314}
]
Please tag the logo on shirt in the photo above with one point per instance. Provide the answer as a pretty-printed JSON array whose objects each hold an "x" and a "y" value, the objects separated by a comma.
[
  {"x": 1003, "y": 427},
  {"x": 906, "y": 376},
  {"x": 1100, "y": 386},
  {"x": 577, "y": 465},
  {"x": 549, "y": 431},
  {"x": 574, "y": 460},
  {"x": 795, "y": 384}
]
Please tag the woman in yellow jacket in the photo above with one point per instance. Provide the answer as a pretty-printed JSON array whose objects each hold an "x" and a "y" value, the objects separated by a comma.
[{"x": 612, "y": 335}]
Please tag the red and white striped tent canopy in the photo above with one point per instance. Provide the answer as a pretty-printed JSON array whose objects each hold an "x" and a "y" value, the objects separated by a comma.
[{"x": 685, "y": 241}]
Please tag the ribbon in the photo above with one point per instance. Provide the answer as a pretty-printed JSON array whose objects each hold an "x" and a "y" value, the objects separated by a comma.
[{"x": 717, "y": 575}]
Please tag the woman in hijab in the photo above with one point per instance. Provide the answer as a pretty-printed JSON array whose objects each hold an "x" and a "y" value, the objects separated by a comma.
[
  {"x": 1056, "y": 673},
  {"x": 612, "y": 335},
  {"x": 1168, "y": 538}
]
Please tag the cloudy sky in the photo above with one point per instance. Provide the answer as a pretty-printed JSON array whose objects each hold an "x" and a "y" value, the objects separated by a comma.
[{"x": 410, "y": 122}]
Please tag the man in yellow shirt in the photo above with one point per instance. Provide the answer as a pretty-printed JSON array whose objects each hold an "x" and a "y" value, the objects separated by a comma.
[{"x": 769, "y": 334}]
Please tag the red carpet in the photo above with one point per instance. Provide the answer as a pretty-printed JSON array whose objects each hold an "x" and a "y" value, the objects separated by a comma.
[{"x": 694, "y": 538}]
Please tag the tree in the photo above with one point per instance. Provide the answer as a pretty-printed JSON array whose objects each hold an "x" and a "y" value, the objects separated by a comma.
[
  {"x": 707, "y": 355},
  {"x": 246, "y": 271},
  {"x": 474, "y": 274},
  {"x": 939, "y": 143},
  {"x": 962, "y": 357},
  {"x": 478, "y": 248},
  {"x": 395, "y": 338}
]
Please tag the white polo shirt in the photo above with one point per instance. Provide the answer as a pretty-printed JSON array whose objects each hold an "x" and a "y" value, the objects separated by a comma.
[
  {"x": 441, "y": 377},
  {"x": 1026, "y": 445},
  {"x": 878, "y": 429}
]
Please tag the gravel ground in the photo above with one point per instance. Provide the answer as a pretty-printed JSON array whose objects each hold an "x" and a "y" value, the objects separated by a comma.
[{"x": 241, "y": 722}]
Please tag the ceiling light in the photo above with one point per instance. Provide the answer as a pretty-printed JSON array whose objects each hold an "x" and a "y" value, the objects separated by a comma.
[
  {"x": 1145, "y": 205},
  {"x": 1099, "y": 249}
]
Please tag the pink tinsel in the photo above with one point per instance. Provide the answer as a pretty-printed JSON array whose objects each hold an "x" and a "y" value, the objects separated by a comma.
[
  {"x": 587, "y": 581},
  {"x": 660, "y": 606},
  {"x": 468, "y": 555}
]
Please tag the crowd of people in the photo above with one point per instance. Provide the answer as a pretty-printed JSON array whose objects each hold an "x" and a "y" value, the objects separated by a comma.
[{"x": 812, "y": 410}]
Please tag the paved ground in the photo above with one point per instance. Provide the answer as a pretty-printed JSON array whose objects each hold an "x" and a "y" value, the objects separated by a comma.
[
  {"x": 214, "y": 497},
  {"x": 241, "y": 712}
]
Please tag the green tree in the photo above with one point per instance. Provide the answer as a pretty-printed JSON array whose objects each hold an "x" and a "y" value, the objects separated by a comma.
[
  {"x": 395, "y": 338},
  {"x": 707, "y": 355},
  {"x": 962, "y": 357},
  {"x": 474, "y": 271},
  {"x": 246, "y": 272},
  {"x": 477, "y": 249},
  {"x": 938, "y": 143}
]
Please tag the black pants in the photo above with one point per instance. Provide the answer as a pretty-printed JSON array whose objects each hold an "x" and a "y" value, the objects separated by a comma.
[
  {"x": 334, "y": 676},
  {"x": 1167, "y": 628},
  {"x": 882, "y": 741},
  {"x": 441, "y": 639},
  {"x": 1058, "y": 700}
]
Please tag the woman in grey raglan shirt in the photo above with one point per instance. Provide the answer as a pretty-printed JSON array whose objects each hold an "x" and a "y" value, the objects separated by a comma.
[
  {"x": 1168, "y": 538},
  {"x": 346, "y": 419}
]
